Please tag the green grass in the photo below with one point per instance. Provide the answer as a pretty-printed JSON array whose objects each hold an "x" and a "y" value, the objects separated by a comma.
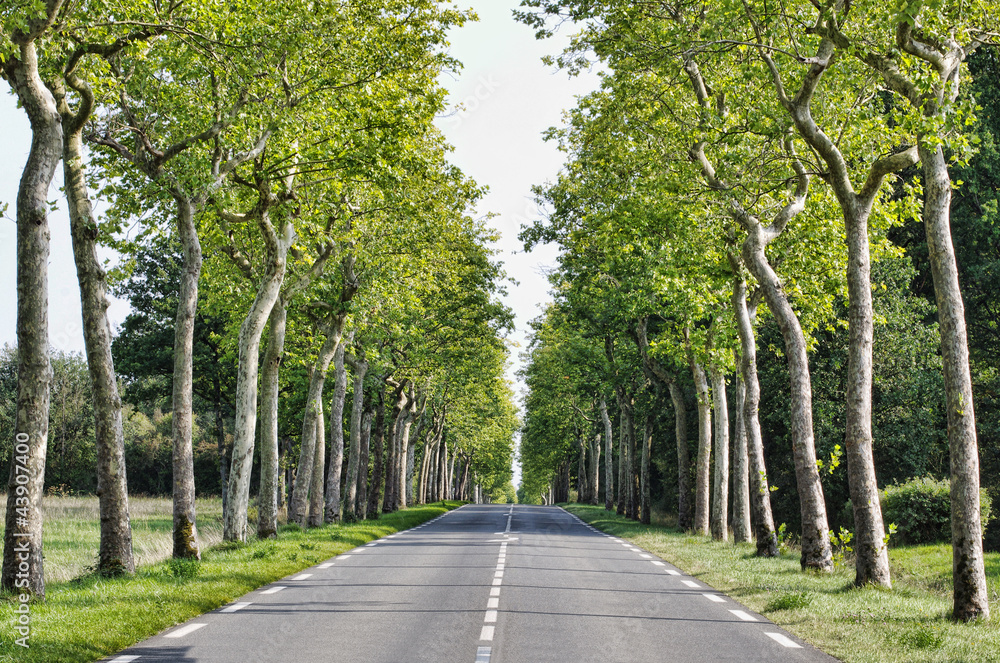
[
  {"x": 908, "y": 624},
  {"x": 89, "y": 617}
]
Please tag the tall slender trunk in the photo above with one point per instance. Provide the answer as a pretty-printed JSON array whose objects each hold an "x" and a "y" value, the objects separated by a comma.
[
  {"x": 633, "y": 465},
  {"x": 684, "y": 520},
  {"x": 390, "y": 502},
  {"x": 622, "y": 463},
  {"x": 115, "y": 554},
  {"x": 647, "y": 446},
  {"x": 742, "y": 529},
  {"x": 378, "y": 442},
  {"x": 582, "y": 494},
  {"x": 412, "y": 435},
  {"x": 315, "y": 518},
  {"x": 360, "y": 506},
  {"x": 333, "y": 476},
  {"x": 720, "y": 495},
  {"x": 702, "y": 478},
  {"x": 594, "y": 477},
  {"x": 298, "y": 505},
  {"x": 185, "y": 531},
  {"x": 26, "y": 483},
  {"x": 268, "y": 291},
  {"x": 359, "y": 368},
  {"x": 220, "y": 441},
  {"x": 968, "y": 571},
  {"x": 452, "y": 489},
  {"x": 609, "y": 466},
  {"x": 267, "y": 500}
]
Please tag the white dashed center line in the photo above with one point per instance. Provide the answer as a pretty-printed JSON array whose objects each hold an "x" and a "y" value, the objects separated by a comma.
[
  {"x": 325, "y": 566},
  {"x": 690, "y": 583},
  {"x": 493, "y": 603},
  {"x": 273, "y": 590},
  {"x": 124, "y": 659},
  {"x": 657, "y": 562},
  {"x": 673, "y": 573},
  {"x": 715, "y": 598},
  {"x": 783, "y": 640},
  {"x": 191, "y": 628},
  {"x": 483, "y": 655},
  {"x": 302, "y": 576},
  {"x": 234, "y": 607},
  {"x": 491, "y": 617},
  {"x": 744, "y": 616},
  {"x": 494, "y": 591},
  {"x": 486, "y": 634}
]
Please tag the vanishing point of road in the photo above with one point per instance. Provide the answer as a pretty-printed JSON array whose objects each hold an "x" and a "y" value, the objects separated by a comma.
[{"x": 482, "y": 584}]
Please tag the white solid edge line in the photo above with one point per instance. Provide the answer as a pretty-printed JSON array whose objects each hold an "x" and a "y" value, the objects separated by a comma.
[
  {"x": 658, "y": 562},
  {"x": 273, "y": 590},
  {"x": 715, "y": 598},
  {"x": 325, "y": 566},
  {"x": 783, "y": 640},
  {"x": 235, "y": 606},
  {"x": 690, "y": 583},
  {"x": 645, "y": 556},
  {"x": 491, "y": 616},
  {"x": 483, "y": 654},
  {"x": 493, "y": 603},
  {"x": 744, "y": 616},
  {"x": 302, "y": 576},
  {"x": 190, "y": 628},
  {"x": 673, "y": 573},
  {"x": 125, "y": 659},
  {"x": 343, "y": 556},
  {"x": 486, "y": 634},
  {"x": 371, "y": 545}
]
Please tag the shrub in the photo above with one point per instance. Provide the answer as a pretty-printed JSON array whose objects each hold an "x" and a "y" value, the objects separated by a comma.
[
  {"x": 921, "y": 510},
  {"x": 790, "y": 601}
]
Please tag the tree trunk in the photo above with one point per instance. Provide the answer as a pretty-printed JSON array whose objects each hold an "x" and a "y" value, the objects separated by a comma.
[
  {"x": 268, "y": 291},
  {"x": 185, "y": 531},
  {"x": 333, "y": 485},
  {"x": 683, "y": 458},
  {"x": 412, "y": 435},
  {"x": 299, "y": 503},
  {"x": 23, "y": 531},
  {"x": 359, "y": 368},
  {"x": 622, "y": 463},
  {"x": 267, "y": 500},
  {"x": 594, "y": 477},
  {"x": 720, "y": 496},
  {"x": 742, "y": 530},
  {"x": 390, "y": 501},
  {"x": 609, "y": 466},
  {"x": 815, "y": 540},
  {"x": 582, "y": 494},
  {"x": 647, "y": 445},
  {"x": 115, "y": 554},
  {"x": 633, "y": 464},
  {"x": 316, "y": 491},
  {"x": 970, "y": 599},
  {"x": 361, "y": 504},
  {"x": 378, "y": 439},
  {"x": 702, "y": 479},
  {"x": 221, "y": 448}
]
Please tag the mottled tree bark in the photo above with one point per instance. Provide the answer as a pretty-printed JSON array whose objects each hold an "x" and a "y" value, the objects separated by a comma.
[
  {"x": 359, "y": 367},
  {"x": 316, "y": 488},
  {"x": 594, "y": 477},
  {"x": 333, "y": 485},
  {"x": 22, "y": 555},
  {"x": 582, "y": 494},
  {"x": 742, "y": 529},
  {"x": 720, "y": 492},
  {"x": 267, "y": 500},
  {"x": 115, "y": 552},
  {"x": 378, "y": 442},
  {"x": 702, "y": 481},
  {"x": 647, "y": 445},
  {"x": 684, "y": 515},
  {"x": 609, "y": 467},
  {"x": 361, "y": 504}
]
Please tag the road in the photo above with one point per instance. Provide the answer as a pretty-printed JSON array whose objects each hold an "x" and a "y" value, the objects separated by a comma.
[{"x": 482, "y": 584}]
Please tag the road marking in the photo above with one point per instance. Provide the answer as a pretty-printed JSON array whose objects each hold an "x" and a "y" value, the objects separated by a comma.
[
  {"x": 626, "y": 545},
  {"x": 273, "y": 590},
  {"x": 494, "y": 591},
  {"x": 497, "y": 582},
  {"x": 491, "y": 616},
  {"x": 486, "y": 634},
  {"x": 690, "y": 583},
  {"x": 493, "y": 603},
  {"x": 673, "y": 573},
  {"x": 371, "y": 544},
  {"x": 783, "y": 640},
  {"x": 302, "y": 576},
  {"x": 744, "y": 616},
  {"x": 645, "y": 556},
  {"x": 325, "y": 566},
  {"x": 498, "y": 574},
  {"x": 500, "y": 566},
  {"x": 343, "y": 556},
  {"x": 483, "y": 655},
  {"x": 191, "y": 628},
  {"x": 234, "y": 607},
  {"x": 715, "y": 598},
  {"x": 124, "y": 659},
  {"x": 658, "y": 562}
]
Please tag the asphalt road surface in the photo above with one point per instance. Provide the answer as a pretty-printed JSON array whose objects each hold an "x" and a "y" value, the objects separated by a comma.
[{"x": 482, "y": 584}]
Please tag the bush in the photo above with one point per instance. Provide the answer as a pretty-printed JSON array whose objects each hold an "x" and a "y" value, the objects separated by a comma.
[{"x": 921, "y": 510}]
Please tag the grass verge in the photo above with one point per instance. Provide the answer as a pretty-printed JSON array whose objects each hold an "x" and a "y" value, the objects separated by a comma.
[
  {"x": 90, "y": 617},
  {"x": 909, "y": 624}
]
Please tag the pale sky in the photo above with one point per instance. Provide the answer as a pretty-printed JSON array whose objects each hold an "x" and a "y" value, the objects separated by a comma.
[{"x": 508, "y": 97}]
